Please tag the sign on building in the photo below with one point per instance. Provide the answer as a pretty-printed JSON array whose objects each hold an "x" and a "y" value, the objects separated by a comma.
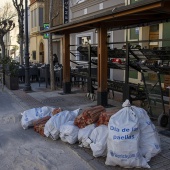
[
  {"x": 46, "y": 27},
  {"x": 66, "y": 11}
]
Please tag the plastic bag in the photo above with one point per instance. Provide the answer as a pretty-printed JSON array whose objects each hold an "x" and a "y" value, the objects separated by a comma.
[
  {"x": 83, "y": 135},
  {"x": 98, "y": 143},
  {"x": 123, "y": 140},
  {"x": 52, "y": 127},
  {"x": 149, "y": 141},
  {"x": 29, "y": 116},
  {"x": 69, "y": 132}
]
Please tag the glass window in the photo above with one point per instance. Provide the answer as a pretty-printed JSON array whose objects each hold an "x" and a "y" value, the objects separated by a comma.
[
  {"x": 166, "y": 34},
  {"x": 133, "y": 74},
  {"x": 134, "y": 1},
  {"x": 34, "y": 55},
  {"x": 134, "y": 33},
  {"x": 32, "y": 21},
  {"x": 41, "y": 17},
  {"x": 84, "y": 40},
  {"x": 154, "y": 28},
  {"x": 34, "y": 18}
]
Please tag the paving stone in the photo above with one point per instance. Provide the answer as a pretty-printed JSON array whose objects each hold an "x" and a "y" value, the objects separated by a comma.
[{"x": 160, "y": 165}]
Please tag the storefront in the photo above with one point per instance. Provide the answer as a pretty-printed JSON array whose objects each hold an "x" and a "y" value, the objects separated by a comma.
[{"x": 142, "y": 13}]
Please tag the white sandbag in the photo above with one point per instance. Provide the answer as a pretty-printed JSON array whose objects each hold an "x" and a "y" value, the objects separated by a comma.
[
  {"x": 29, "y": 116},
  {"x": 98, "y": 139},
  {"x": 69, "y": 132},
  {"x": 123, "y": 140},
  {"x": 83, "y": 135},
  {"x": 149, "y": 141},
  {"x": 52, "y": 127}
]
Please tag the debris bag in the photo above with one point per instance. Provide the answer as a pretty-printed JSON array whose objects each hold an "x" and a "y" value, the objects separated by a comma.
[
  {"x": 31, "y": 115},
  {"x": 123, "y": 139},
  {"x": 105, "y": 117},
  {"x": 56, "y": 110},
  {"x": 149, "y": 141},
  {"x": 40, "y": 124},
  {"x": 89, "y": 116},
  {"x": 98, "y": 141},
  {"x": 84, "y": 134},
  {"x": 69, "y": 132},
  {"x": 52, "y": 127}
]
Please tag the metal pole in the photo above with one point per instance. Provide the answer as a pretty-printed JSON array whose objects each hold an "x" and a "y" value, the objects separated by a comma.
[
  {"x": 27, "y": 77},
  {"x": 89, "y": 69},
  {"x": 126, "y": 93},
  {"x": 126, "y": 87}
]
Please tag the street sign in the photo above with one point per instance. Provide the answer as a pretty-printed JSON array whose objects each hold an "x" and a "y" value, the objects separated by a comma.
[
  {"x": 46, "y": 27},
  {"x": 66, "y": 11}
]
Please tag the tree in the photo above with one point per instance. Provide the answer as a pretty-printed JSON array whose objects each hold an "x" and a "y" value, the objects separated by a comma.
[
  {"x": 52, "y": 81},
  {"x": 51, "y": 18},
  {"x": 14, "y": 49},
  {"x": 20, "y": 11},
  {"x": 7, "y": 15}
]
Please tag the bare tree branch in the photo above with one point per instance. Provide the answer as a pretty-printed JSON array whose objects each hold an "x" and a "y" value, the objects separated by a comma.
[
  {"x": 7, "y": 12},
  {"x": 20, "y": 11},
  {"x": 7, "y": 17}
]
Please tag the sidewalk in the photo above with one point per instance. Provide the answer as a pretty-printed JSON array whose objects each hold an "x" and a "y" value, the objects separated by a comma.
[{"x": 41, "y": 96}]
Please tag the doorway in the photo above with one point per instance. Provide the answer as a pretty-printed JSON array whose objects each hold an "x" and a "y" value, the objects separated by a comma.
[{"x": 41, "y": 55}]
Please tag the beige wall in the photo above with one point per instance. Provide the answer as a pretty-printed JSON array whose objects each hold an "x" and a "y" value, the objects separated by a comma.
[
  {"x": 35, "y": 42},
  {"x": 90, "y": 8},
  {"x": 46, "y": 58}
]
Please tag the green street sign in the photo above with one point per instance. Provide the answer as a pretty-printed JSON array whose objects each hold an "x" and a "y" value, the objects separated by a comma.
[{"x": 46, "y": 27}]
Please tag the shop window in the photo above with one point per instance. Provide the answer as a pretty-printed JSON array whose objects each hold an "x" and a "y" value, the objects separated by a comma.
[
  {"x": 166, "y": 34},
  {"x": 134, "y": 33},
  {"x": 83, "y": 41},
  {"x": 34, "y": 55}
]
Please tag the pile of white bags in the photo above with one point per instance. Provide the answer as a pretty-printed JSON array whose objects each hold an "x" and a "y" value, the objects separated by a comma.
[
  {"x": 69, "y": 132},
  {"x": 31, "y": 115},
  {"x": 149, "y": 143},
  {"x": 128, "y": 139},
  {"x": 84, "y": 134},
  {"x": 98, "y": 141},
  {"x": 52, "y": 127}
]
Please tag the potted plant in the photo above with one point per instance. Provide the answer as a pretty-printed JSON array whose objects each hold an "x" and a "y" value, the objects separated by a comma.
[{"x": 11, "y": 74}]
